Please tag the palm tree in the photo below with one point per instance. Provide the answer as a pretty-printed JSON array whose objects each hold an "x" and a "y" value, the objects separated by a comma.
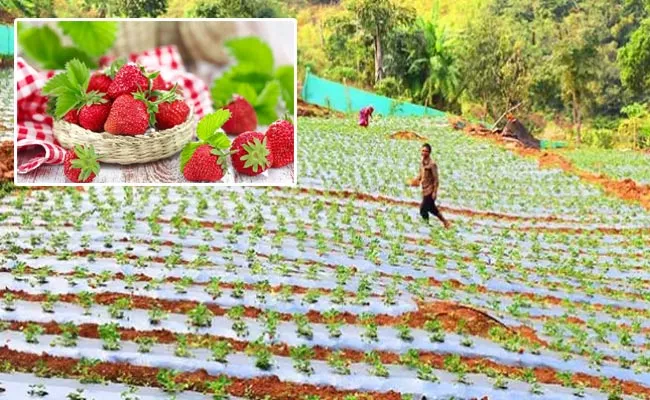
[{"x": 441, "y": 87}]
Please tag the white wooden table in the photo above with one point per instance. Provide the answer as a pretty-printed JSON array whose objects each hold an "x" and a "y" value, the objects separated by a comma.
[{"x": 158, "y": 172}]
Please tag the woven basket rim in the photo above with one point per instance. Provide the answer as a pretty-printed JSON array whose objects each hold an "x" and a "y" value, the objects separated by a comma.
[
  {"x": 127, "y": 138},
  {"x": 128, "y": 149}
]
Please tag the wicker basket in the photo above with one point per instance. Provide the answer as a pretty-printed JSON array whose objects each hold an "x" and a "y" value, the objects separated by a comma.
[{"x": 125, "y": 150}]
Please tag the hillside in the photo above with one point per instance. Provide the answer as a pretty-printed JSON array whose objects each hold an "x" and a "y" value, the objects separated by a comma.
[{"x": 453, "y": 15}]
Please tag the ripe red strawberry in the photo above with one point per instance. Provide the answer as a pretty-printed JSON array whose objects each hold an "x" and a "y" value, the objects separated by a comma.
[
  {"x": 99, "y": 82},
  {"x": 72, "y": 117},
  {"x": 128, "y": 116},
  {"x": 251, "y": 154},
  {"x": 205, "y": 165},
  {"x": 242, "y": 117},
  {"x": 80, "y": 164},
  {"x": 94, "y": 116},
  {"x": 160, "y": 84},
  {"x": 279, "y": 137},
  {"x": 171, "y": 114},
  {"x": 129, "y": 79}
]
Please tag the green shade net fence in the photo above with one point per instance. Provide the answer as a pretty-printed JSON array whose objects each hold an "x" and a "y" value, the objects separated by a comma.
[
  {"x": 6, "y": 39},
  {"x": 339, "y": 97}
]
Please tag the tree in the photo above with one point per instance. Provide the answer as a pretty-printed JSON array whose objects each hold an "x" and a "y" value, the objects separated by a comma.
[
  {"x": 142, "y": 8},
  {"x": 237, "y": 9},
  {"x": 576, "y": 57},
  {"x": 443, "y": 80},
  {"x": 29, "y": 8},
  {"x": 348, "y": 49},
  {"x": 494, "y": 64},
  {"x": 378, "y": 18},
  {"x": 634, "y": 126},
  {"x": 634, "y": 60}
]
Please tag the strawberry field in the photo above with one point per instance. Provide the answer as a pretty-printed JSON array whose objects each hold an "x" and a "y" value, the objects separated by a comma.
[{"x": 334, "y": 289}]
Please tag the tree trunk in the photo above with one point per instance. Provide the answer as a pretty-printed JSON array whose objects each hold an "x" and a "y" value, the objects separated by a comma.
[
  {"x": 577, "y": 117},
  {"x": 379, "y": 58}
]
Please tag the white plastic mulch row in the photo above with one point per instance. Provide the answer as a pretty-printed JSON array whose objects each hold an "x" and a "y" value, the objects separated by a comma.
[
  {"x": 17, "y": 386},
  {"x": 291, "y": 251},
  {"x": 243, "y": 366},
  {"x": 352, "y": 337}
]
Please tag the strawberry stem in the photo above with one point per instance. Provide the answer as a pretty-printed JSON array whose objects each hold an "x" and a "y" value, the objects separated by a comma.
[
  {"x": 86, "y": 161},
  {"x": 256, "y": 156}
]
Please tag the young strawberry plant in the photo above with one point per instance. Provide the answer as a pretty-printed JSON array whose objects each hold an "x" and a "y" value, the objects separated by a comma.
[
  {"x": 220, "y": 351},
  {"x": 110, "y": 336},
  {"x": 200, "y": 316},
  {"x": 218, "y": 388},
  {"x": 32, "y": 332},
  {"x": 145, "y": 343},
  {"x": 301, "y": 357}
]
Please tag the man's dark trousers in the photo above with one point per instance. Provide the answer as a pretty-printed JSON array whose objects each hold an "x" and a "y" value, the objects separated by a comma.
[{"x": 429, "y": 206}]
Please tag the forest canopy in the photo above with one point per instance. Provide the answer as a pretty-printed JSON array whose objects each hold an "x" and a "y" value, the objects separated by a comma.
[{"x": 577, "y": 67}]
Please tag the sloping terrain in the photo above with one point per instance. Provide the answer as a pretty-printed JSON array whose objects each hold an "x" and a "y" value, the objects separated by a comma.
[{"x": 333, "y": 289}]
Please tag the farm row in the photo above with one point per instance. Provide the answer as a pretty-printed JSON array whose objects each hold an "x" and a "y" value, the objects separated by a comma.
[{"x": 334, "y": 289}]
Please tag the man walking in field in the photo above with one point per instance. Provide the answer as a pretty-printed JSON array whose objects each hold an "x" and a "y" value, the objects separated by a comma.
[{"x": 428, "y": 179}]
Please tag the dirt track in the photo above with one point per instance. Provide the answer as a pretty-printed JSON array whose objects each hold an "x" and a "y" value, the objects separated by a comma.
[
  {"x": 626, "y": 189},
  {"x": 6, "y": 161}
]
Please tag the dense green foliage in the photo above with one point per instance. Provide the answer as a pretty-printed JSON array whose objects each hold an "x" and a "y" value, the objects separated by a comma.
[
  {"x": 236, "y": 9},
  {"x": 85, "y": 8},
  {"x": 579, "y": 61}
]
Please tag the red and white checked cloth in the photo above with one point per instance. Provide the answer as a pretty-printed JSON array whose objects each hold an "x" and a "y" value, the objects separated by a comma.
[{"x": 35, "y": 126}]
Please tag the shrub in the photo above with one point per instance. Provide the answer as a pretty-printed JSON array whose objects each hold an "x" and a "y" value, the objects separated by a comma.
[
  {"x": 341, "y": 74},
  {"x": 389, "y": 87},
  {"x": 603, "y": 138}
]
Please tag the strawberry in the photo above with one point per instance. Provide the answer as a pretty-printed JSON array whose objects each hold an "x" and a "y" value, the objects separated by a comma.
[
  {"x": 72, "y": 117},
  {"x": 94, "y": 116},
  {"x": 243, "y": 117},
  {"x": 170, "y": 110},
  {"x": 171, "y": 114},
  {"x": 279, "y": 137},
  {"x": 80, "y": 164},
  {"x": 205, "y": 165},
  {"x": 251, "y": 154},
  {"x": 160, "y": 84},
  {"x": 128, "y": 116},
  {"x": 99, "y": 82},
  {"x": 129, "y": 79}
]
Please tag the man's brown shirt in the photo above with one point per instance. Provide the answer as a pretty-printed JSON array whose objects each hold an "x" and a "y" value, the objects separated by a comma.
[{"x": 428, "y": 178}]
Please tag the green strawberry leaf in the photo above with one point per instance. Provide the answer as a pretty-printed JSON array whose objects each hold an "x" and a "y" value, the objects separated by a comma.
[
  {"x": 57, "y": 84},
  {"x": 252, "y": 50},
  {"x": 66, "y": 54},
  {"x": 285, "y": 75},
  {"x": 40, "y": 44},
  {"x": 78, "y": 75},
  {"x": 250, "y": 74},
  {"x": 209, "y": 124},
  {"x": 224, "y": 88},
  {"x": 187, "y": 153},
  {"x": 114, "y": 67},
  {"x": 247, "y": 91},
  {"x": 50, "y": 109},
  {"x": 93, "y": 37},
  {"x": 267, "y": 102},
  {"x": 64, "y": 103},
  {"x": 219, "y": 141}
]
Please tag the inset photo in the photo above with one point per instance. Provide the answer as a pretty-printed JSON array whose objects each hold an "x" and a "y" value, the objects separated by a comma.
[{"x": 154, "y": 102}]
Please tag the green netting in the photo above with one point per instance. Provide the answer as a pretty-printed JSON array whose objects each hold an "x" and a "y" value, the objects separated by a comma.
[
  {"x": 343, "y": 98},
  {"x": 6, "y": 39}
]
